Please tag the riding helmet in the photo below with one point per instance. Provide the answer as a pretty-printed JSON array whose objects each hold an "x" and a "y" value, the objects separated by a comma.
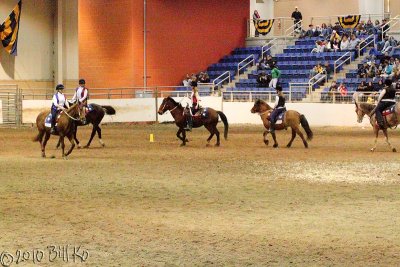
[
  {"x": 82, "y": 81},
  {"x": 194, "y": 84},
  {"x": 59, "y": 87}
]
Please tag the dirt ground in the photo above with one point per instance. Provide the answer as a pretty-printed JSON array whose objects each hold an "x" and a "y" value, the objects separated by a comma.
[{"x": 135, "y": 203}]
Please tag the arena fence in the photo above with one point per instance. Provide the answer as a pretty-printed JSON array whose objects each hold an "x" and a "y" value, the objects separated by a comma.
[{"x": 10, "y": 105}]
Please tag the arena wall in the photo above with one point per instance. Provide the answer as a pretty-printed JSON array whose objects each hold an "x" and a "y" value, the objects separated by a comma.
[
  {"x": 144, "y": 110},
  {"x": 181, "y": 38}
]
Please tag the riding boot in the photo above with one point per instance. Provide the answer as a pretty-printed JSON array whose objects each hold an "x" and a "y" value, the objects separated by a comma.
[
  {"x": 380, "y": 122},
  {"x": 53, "y": 127},
  {"x": 272, "y": 127},
  {"x": 189, "y": 124}
]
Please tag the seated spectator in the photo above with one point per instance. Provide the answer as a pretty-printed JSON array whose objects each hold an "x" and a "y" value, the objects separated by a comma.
[
  {"x": 344, "y": 44},
  {"x": 337, "y": 28},
  {"x": 389, "y": 44},
  {"x": 266, "y": 63},
  {"x": 397, "y": 86},
  {"x": 312, "y": 32},
  {"x": 379, "y": 86},
  {"x": 187, "y": 81},
  {"x": 362, "y": 88},
  {"x": 316, "y": 70},
  {"x": 369, "y": 27},
  {"x": 334, "y": 36},
  {"x": 333, "y": 90},
  {"x": 363, "y": 71},
  {"x": 320, "y": 47},
  {"x": 353, "y": 43},
  {"x": 263, "y": 80},
  {"x": 325, "y": 31},
  {"x": 335, "y": 45},
  {"x": 370, "y": 87},
  {"x": 342, "y": 89},
  {"x": 204, "y": 78},
  {"x": 388, "y": 70}
]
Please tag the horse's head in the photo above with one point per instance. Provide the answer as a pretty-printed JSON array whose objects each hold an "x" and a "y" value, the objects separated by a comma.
[
  {"x": 77, "y": 112},
  {"x": 167, "y": 104},
  {"x": 259, "y": 106},
  {"x": 363, "y": 109}
]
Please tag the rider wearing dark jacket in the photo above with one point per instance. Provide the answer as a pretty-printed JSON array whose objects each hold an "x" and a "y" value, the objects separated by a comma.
[
  {"x": 278, "y": 108},
  {"x": 385, "y": 100}
]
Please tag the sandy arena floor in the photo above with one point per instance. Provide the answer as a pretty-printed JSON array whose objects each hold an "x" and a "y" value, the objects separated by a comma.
[{"x": 135, "y": 203}]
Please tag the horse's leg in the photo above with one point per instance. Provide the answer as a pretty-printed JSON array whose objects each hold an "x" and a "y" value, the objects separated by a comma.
[
  {"x": 44, "y": 142},
  {"x": 387, "y": 141},
  {"x": 178, "y": 134},
  {"x": 91, "y": 135},
  {"x": 210, "y": 129},
  {"x": 301, "y": 136},
  {"x": 58, "y": 144},
  {"x": 183, "y": 137},
  {"x": 99, "y": 135},
  {"x": 76, "y": 139},
  {"x": 266, "y": 141},
  {"x": 217, "y": 134},
  {"x": 376, "y": 131},
  {"x": 275, "y": 142},
  {"x": 291, "y": 140},
  {"x": 62, "y": 146},
  {"x": 71, "y": 139}
]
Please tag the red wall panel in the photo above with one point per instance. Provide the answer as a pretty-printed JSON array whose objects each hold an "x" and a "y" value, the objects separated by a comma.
[{"x": 182, "y": 37}]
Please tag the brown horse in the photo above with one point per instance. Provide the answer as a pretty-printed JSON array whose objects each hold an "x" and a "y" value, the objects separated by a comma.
[
  {"x": 392, "y": 120},
  {"x": 65, "y": 128},
  {"x": 208, "y": 118},
  {"x": 291, "y": 119}
]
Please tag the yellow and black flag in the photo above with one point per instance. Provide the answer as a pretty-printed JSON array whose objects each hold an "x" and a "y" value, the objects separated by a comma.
[
  {"x": 349, "y": 22},
  {"x": 9, "y": 30},
  {"x": 264, "y": 26}
]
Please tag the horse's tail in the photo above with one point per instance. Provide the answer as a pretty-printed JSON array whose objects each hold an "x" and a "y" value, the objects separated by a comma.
[
  {"x": 306, "y": 127},
  {"x": 38, "y": 137},
  {"x": 225, "y": 121},
  {"x": 109, "y": 110}
]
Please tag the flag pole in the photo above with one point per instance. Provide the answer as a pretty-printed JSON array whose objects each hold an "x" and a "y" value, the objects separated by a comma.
[{"x": 144, "y": 45}]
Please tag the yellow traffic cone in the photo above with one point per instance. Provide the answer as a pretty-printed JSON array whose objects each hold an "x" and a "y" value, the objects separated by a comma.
[{"x": 151, "y": 138}]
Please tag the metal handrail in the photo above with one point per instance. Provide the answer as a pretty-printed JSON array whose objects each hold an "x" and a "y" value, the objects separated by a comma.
[
  {"x": 335, "y": 66},
  {"x": 268, "y": 46},
  {"x": 245, "y": 65},
  {"x": 397, "y": 19},
  {"x": 384, "y": 15},
  {"x": 311, "y": 83},
  {"x": 223, "y": 80},
  {"x": 360, "y": 48},
  {"x": 292, "y": 31}
]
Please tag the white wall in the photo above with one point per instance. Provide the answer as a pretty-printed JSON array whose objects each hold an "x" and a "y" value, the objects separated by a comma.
[
  {"x": 144, "y": 109},
  {"x": 371, "y": 6},
  {"x": 36, "y": 60}
]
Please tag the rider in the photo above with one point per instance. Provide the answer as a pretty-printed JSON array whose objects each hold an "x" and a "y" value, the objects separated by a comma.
[
  {"x": 81, "y": 93},
  {"x": 58, "y": 103},
  {"x": 279, "y": 107},
  {"x": 195, "y": 97},
  {"x": 385, "y": 100}
]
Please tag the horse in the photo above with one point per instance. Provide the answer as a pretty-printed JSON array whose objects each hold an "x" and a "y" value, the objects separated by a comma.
[
  {"x": 291, "y": 119},
  {"x": 208, "y": 118},
  {"x": 65, "y": 128},
  {"x": 392, "y": 120},
  {"x": 94, "y": 116}
]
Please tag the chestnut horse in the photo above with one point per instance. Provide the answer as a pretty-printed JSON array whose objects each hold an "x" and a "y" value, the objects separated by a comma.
[
  {"x": 291, "y": 119},
  {"x": 392, "y": 120},
  {"x": 209, "y": 121},
  {"x": 65, "y": 128}
]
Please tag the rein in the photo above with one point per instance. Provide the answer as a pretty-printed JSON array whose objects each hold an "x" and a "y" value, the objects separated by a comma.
[
  {"x": 66, "y": 113},
  {"x": 262, "y": 113}
]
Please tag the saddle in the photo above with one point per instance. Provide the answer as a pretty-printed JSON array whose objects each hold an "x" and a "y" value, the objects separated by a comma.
[
  {"x": 47, "y": 121},
  {"x": 197, "y": 113},
  {"x": 389, "y": 111},
  {"x": 279, "y": 119}
]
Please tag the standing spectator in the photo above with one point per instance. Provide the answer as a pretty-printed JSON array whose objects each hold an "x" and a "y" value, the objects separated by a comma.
[
  {"x": 275, "y": 74},
  {"x": 328, "y": 69},
  {"x": 256, "y": 17},
  {"x": 263, "y": 80},
  {"x": 297, "y": 17}
]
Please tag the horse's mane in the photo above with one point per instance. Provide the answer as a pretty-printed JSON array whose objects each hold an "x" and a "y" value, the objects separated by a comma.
[
  {"x": 367, "y": 107},
  {"x": 262, "y": 102},
  {"x": 173, "y": 101}
]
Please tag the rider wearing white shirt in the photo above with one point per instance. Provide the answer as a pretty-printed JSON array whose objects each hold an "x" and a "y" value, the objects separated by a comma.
[
  {"x": 81, "y": 93},
  {"x": 59, "y": 102}
]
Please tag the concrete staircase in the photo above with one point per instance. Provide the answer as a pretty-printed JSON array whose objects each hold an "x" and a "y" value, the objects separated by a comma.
[{"x": 316, "y": 94}]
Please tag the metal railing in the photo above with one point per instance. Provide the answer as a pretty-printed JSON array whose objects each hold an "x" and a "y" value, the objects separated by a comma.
[
  {"x": 245, "y": 62},
  {"x": 340, "y": 61},
  {"x": 268, "y": 46},
  {"x": 269, "y": 96},
  {"x": 391, "y": 23},
  {"x": 281, "y": 24},
  {"x": 292, "y": 29},
  {"x": 365, "y": 43}
]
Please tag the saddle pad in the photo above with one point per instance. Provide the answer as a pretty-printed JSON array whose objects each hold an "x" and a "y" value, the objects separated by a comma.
[
  {"x": 389, "y": 110},
  {"x": 89, "y": 108},
  {"x": 47, "y": 121},
  {"x": 279, "y": 119}
]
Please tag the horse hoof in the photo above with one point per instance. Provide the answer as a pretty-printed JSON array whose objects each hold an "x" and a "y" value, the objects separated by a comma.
[
  {"x": 43, "y": 156},
  {"x": 394, "y": 150},
  {"x": 186, "y": 140},
  {"x": 266, "y": 142},
  {"x": 216, "y": 145},
  {"x": 208, "y": 145},
  {"x": 372, "y": 149},
  {"x": 103, "y": 145},
  {"x": 275, "y": 145},
  {"x": 86, "y": 147},
  {"x": 182, "y": 145},
  {"x": 78, "y": 146}
]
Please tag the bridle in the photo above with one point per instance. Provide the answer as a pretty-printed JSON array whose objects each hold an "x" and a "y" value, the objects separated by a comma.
[
  {"x": 177, "y": 105},
  {"x": 72, "y": 118}
]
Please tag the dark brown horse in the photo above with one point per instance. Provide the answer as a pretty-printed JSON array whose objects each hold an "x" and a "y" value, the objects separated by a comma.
[
  {"x": 392, "y": 120},
  {"x": 65, "y": 128},
  {"x": 208, "y": 120},
  {"x": 291, "y": 119},
  {"x": 95, "y": 116}
]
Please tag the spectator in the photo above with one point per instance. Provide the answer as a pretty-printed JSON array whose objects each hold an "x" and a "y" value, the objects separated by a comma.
[
  {"x": 263, "y": 80},
  {"x": 362, "y": 88},
  {"x": 372, "y": 70},
  {"x": 389, "y": 44},
  {"x": 328, "y": 69},
  {"x": 325, "y": 31},
  {"x": 363, "y": 71},
  {"x": 297, "y": 17},
  {"x": 379, "y": 86},
  {"x": 275, "y": 75},
  {"x": 344, "y": 44},
  {"x": 333, "y": 90},
  {"x": 335, "y": 45},
  {"x": 256, "y": 17},
  {"x": 320, "y": 47},
  {"x": 266, "y": 63},
  {"x": 187, "y": 81},
  {"x": 397, "y": 85},
  {"x": 311, "y": 32},
  {"x": 370, "y": 87},
  {"x": 353, "y": 43},
  {"x": 342, "y": 89}
]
